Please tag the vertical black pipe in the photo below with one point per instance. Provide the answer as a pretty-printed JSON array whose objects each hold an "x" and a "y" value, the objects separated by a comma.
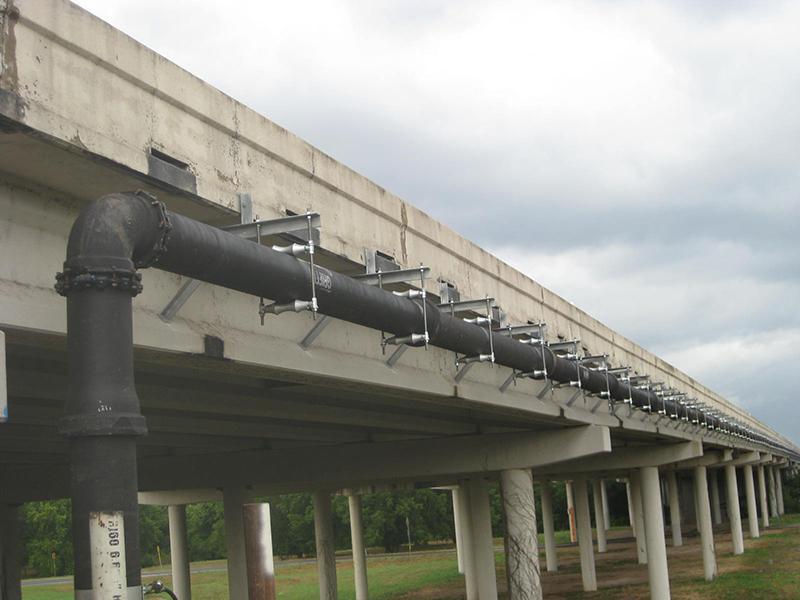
[{"x": 102, "y": 422}]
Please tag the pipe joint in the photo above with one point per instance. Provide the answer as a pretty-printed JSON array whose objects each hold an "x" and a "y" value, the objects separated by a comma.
[{"x": 94, "y": 425}]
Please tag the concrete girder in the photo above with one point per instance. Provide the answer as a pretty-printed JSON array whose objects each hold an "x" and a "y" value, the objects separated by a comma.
[
  {"x": 631, "y": 457},
  {"x": 180, "y": 497},
  {"x": 709, "y": 458},
  {"x": 289, "y": 470},
  {"x": 425, "y": 458}
]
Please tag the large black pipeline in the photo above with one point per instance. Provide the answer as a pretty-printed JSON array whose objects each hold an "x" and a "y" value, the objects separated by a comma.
[{"x": 120, "y": 233}]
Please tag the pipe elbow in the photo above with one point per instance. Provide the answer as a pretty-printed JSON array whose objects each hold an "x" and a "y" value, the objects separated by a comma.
[{"x": 112, "y": 237}]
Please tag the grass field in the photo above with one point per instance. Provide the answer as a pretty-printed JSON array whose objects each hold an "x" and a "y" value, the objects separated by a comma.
[{"x": 769, "y": 569}]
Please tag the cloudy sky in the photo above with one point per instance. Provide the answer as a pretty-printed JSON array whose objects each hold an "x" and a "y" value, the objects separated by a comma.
[{"x": 639, "y": 158}]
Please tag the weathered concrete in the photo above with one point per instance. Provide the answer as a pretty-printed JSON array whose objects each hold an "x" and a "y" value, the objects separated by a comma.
[
  {"x": 750, "y": 493},
  {"x": 762, "y": 494},
  {"x": 606, "y": 511},
  {"x": 734, "y": 512},
  {"x": 326, "y": 546},
  {"x": 716, "y": 509},
  {"x": 547, "y": 524},
  {"x": 359, "y": 548},
  {"x": 468, "y": 542},
  {"x": 521, "y": 538},
  {"x": 233, "y": 500},
  {"x": 179, "y": 552},
  {"x": 674, "y": 509},
  {"x": 483, "y": 545},
  {"x": 654, "y": 532},
  {"x": 598, "y": 515},
  {"x": 255, "y": 415},
  {"x": 704, "y": 524},
  {"x": 584, "y": 525},
  {"x": 638, "y": 516},
  {"x": 457, "y": 526}
]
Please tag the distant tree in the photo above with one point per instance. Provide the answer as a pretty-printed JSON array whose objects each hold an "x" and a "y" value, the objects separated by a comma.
[
  {"x": 791, "y": 494},
  {"x": 205, "y": 528},
  {"x": 46, "y": 529},
  {"x": 153, "y": 533}
]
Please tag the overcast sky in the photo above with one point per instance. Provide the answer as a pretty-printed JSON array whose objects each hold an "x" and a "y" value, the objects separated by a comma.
[{"x": 641, "y": 159}]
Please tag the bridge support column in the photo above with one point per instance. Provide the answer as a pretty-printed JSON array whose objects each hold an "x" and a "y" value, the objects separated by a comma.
[
  {"x": 521, "y": 538},
  {"x": 713, "y": 488},
  {"x": 606, "y": 511},
  {"x": 584, "y": 526},
  {"x": 750, "y": 492},
  {"x": 638, "y": 517},
  {"x": 631, "y": 518},
  {"x": 734, "y": 512},
  {"x": 468, "y": 542},
  {"x": 657, "y": 567},
  {"x": 599, "y": 519},
  {"x": 762, "y": 495},
  {"x": 179, "y": 552},
  {"x": 548, "y": 525},
  {"x": 326, "y": 557},
  {"x": 233, "y": 499},
  {"x": 779, "y": 491},
  {"x": 10, "y": 570},
  {"x": 459, "y": 533},
  {"x": 482, "y": 539},
  {"x": 704, "y": 525},
  {"x": 359, "y": 550},
  {"x": 674, "y": 509},
  {"x": 773, "y": 500}
]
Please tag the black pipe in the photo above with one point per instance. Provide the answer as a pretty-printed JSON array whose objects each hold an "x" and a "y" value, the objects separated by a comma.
[
  {"x": 101, "y": 416},
  {"x": 120, "y": 233}
]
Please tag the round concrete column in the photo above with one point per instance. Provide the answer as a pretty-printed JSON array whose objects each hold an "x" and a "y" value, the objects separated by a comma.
[
  {"x": 482, "y": 539},
  {"x": 762, "y": 495},
  {"x": 547, "y": 524},
  {"x": 326, "y": 549},
  {"x": 521, "y": 539},
  {"x": 734, "y": 513},
  {"x": 179, "y": 552},
  {"x": 713, "y": 488},
  {"x": 467, "y": 542},
  {"x": 457, "y": 526},
  {"x": 779, "y": 491},
  {"x": 11, "y": 574},
  {"x": 359, "y": 551},
  {"x": 631, "y": 518},
  {"x": 584, "y": 526},
  {"x": 704, "y": 525},
  {"x": 606, "y": 511},
  {"x": 654, "y": 532},
  {"x": 773, "y": 501},
  {"x": 750, "y": 492},
  {"x": 599, "y": 520},
  {"x": 638, "y": 517},
  {"x": 674, "y": 509},
  {"x": 233, "y": 500}
]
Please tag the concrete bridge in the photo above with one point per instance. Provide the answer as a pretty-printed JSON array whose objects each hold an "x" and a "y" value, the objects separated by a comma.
[{"x": 381, "y": 351}]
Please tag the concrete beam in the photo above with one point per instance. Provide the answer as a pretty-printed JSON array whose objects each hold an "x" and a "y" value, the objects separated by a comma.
[
  {"x": 629, "y": 457},
  {"x": 425, "y": 458},
  {"x": 709, "y": 458},
  {"x": 179, "y": 497}
]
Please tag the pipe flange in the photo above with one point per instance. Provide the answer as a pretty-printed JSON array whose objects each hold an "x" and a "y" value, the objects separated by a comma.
[
  {"x": 122, "y": 280},
  {"x": 164, "y": 225}
]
